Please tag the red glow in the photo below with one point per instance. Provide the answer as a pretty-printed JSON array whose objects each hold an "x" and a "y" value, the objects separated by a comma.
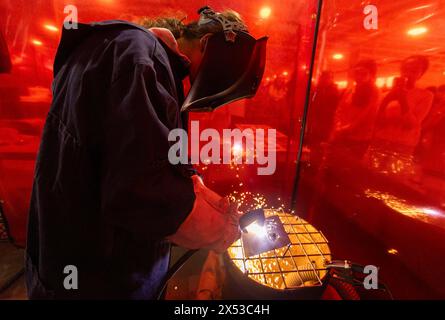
[
  {"x": 407, "y": 209},
  {"x": 51, "y": 28},
  {"x": 418, "y": 31},
  {"x": 37, "y": 42},
  {"x": 265, "y": 12}
]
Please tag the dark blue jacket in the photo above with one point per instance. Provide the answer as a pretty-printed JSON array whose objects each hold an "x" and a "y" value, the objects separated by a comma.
[{"x": 104, "y": 194}]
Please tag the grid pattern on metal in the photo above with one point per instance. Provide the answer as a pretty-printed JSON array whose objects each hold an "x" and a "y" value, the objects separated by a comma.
[{"x": 300, "y": 264}]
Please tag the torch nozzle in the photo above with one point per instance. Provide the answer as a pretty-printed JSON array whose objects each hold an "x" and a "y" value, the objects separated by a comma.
[{"x": 255, "y": 216}]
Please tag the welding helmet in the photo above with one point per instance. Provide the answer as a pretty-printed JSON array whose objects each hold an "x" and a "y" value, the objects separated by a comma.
[{"x": 232, "y": 66}]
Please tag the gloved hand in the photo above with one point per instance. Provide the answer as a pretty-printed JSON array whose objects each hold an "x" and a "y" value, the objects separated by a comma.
[{"x": 212, "y": 224}]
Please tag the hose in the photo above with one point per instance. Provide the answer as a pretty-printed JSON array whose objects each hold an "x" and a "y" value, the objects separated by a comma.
[
  {"x": 345, "y": 290},
  {"x": 173, "y": 270}
]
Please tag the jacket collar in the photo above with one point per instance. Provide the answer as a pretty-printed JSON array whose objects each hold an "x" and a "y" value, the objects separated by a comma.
[
  {"x": 178, "y": 61},
  {"x": 71, "y": 38}
]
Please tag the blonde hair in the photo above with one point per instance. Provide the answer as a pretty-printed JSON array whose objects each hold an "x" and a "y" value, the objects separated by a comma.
[{"x": 191, "y": 30}]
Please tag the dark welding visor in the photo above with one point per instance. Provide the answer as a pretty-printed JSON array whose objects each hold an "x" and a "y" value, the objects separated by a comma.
[{"x": 229, "y": 71}]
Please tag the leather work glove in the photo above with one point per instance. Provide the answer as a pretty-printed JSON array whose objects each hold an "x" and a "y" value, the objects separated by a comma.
[{"x": 213, "y": 223}]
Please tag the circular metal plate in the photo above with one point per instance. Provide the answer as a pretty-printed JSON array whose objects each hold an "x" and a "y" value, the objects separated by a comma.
[{"x": 300, "y": 264}]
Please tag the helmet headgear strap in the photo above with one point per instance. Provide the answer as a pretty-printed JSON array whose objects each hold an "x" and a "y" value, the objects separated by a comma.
[{"x": 207, "y": 15}]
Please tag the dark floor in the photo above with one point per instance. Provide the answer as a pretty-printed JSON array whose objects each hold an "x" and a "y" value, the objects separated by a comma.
[
  {"x": 12, "y": 284},
  {"x": 15, "y": 292},
  {"x": 183, "y": 286}
]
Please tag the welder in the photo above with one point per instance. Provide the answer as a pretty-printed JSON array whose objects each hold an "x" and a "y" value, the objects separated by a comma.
[{"x": 106, "y": 201}]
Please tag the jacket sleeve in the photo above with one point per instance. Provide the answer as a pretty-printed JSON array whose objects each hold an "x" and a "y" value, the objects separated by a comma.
[{"x": 141, "y": 191}]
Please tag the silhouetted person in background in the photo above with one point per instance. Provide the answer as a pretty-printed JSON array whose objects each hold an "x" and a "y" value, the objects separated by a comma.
[
  {"x": 431, "y": 149},
  {"x": 357, "y": 109},
  {"x": 406, "y": 106},
  {"x": 325, "y": 100}
]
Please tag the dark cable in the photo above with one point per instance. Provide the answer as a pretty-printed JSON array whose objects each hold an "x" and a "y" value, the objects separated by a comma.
[{"x": 173, "y": 270}]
